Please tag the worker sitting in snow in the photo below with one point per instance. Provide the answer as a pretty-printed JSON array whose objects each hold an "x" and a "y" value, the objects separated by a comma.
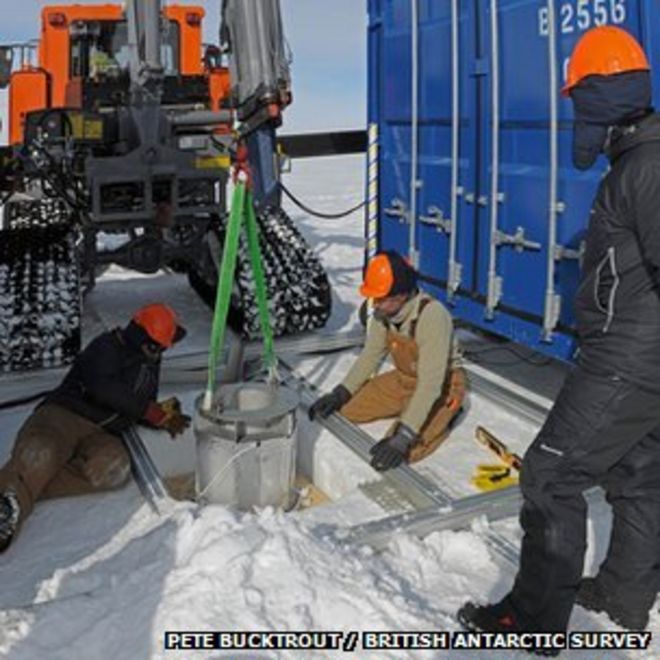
[
  {"x": 426, "y": 388},
  {"x": 71, "y": 443}
]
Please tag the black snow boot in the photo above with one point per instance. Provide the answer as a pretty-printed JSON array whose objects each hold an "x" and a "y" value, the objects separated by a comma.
[
  {"x": 9, "y": 513},
  {"x": 593, "y": 597},
  {"x": 498, "y": 618}
]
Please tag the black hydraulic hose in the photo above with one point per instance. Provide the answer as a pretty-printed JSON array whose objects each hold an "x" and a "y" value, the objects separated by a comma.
[{"x": 318, "y": 214}]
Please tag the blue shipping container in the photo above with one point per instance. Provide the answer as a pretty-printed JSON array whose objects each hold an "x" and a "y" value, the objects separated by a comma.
[{"x": 469, "y": 165}]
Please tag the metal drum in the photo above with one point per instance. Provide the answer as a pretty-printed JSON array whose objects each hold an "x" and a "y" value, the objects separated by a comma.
[{"x": 246, "y": 446}]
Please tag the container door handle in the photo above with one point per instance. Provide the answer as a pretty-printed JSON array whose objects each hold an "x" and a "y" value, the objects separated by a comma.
[
  {"x": 397, "y": 209},
  {"x": 436, "y": 217}
]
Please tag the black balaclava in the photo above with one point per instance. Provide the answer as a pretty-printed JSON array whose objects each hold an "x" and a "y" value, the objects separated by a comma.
[
  {"x": 600, "y": 102},
  {"x": 136, "y": 336}
]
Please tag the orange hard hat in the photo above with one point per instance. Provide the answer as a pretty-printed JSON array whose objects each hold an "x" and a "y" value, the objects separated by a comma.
[
  {"x": 604, "y": 51},
  {"x": 379, "y": 278},
  {"x": 160, "y": 323},
  {"x": 388, "y": 274}
]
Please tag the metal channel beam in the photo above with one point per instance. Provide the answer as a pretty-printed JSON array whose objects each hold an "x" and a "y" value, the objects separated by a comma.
[
  {"x": 299, "y": 345},
  {"x": 178, "y": 368},
  {"x": 145, "y": 471},
  {"x": 496, "y": 505}
]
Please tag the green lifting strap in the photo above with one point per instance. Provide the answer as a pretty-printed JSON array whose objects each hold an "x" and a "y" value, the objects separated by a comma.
[
  {"x": 242, "y": 210},
  {"x": 225, "y": 284}
]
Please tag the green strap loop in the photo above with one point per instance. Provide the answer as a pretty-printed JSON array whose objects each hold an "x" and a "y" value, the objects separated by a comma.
[{"x": 242, "y": 210}]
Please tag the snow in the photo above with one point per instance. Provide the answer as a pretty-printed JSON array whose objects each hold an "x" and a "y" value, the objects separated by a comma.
[{"x": 104, "y": 577}]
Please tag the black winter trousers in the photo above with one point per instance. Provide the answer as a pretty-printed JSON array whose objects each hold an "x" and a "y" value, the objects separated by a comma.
[{"x": 603, "y": 431}]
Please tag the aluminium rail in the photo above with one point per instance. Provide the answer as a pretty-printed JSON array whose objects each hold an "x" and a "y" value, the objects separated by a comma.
[
  {"x": 180, "y": 368},
  {"x": 145, "y": 472}
]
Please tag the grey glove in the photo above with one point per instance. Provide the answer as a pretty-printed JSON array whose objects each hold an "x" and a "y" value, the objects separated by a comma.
[
  {"x": 329, "y": 403},
  {"x": 391, "y": 452}
]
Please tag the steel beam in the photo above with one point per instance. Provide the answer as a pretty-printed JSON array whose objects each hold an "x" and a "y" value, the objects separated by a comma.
[
  {"x": 458, "y": 514},
  {"x": 145, "y": 471}
]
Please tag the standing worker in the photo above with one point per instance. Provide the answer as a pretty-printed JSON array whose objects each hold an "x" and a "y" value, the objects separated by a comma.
[
  {"x": 604, "y": 428},
  {"x": 71, "y": 443},
  {"x": 424, "y": 391}
]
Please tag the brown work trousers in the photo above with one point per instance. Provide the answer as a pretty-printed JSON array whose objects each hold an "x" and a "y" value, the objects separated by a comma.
[
  {"x": 58, "y": 453},
  {"x": 388, "y": 394}
]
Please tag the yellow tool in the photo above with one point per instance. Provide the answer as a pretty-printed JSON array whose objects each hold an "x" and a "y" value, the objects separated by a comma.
[{"x": 494, "y": 476}]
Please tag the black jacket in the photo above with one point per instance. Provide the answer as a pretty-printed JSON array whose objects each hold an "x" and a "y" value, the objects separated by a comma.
[
  {"x": 111, "y": 382},
  {"x": 617, "y": 305}
]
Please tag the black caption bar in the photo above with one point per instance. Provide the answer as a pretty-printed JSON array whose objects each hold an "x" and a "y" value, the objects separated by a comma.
[{"x": 349, "y": 641}]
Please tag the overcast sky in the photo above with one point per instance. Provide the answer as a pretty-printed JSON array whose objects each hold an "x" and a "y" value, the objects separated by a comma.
[{"x": 327, "y": 40}]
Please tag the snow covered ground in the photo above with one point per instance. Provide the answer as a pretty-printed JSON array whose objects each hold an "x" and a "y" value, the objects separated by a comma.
[{"x": 102, "y": 577}]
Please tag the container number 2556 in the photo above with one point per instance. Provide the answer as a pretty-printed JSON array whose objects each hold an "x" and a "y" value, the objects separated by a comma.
[{"x": 584, "y": 14}]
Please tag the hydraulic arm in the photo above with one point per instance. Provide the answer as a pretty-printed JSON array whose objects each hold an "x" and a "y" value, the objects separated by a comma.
[{"x": 251, "y": 34}]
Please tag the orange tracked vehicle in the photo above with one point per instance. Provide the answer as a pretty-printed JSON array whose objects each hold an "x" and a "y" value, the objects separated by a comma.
[{"x": 122, "y": 129}]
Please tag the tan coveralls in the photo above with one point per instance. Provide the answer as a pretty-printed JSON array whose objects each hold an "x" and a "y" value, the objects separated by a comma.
[
  {"x": 390, "y": 394},
  {"x": 58, "y": 453}
]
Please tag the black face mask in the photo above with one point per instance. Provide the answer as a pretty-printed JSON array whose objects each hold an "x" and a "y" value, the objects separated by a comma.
[
  {"x": 139, "y": 339},
  {"x": 601, "y": 102},
  {"x": 153, "y": 351}
]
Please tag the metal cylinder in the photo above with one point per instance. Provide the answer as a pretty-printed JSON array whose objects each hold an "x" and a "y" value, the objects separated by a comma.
[{"x": 246, "y": 446}]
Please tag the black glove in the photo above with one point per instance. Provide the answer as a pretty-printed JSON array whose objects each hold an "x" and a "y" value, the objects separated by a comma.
[
  {"x": 391, "y": 452},
  {"x": 329, "y": 403}
]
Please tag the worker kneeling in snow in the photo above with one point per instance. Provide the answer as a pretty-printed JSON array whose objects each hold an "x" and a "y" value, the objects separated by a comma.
[
  {"x": 426, "y": 388},
  {"x": 71, "y": 443}
]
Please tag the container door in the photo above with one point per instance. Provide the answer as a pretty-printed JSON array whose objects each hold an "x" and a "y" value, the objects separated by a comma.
[
  {"x": 390, "y": 89},
  {"x": 422, "y": 71},
  {"x": 447, "y": 128}
]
